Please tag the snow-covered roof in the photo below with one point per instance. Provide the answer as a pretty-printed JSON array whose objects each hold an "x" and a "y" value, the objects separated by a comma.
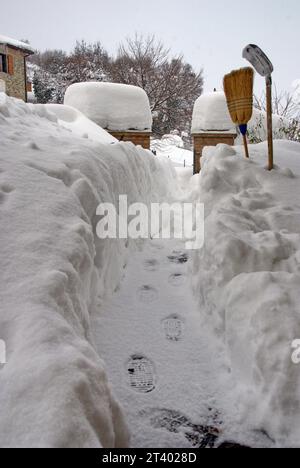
[
  {"x": 115, "y": 107},
  {"x": 211, "y": 114},
  {"x": 17, "y": 44}
]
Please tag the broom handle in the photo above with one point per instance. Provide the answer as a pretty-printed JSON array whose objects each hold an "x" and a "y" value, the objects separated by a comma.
[
  {"x": 246, "y": 146},
  {"x": 270, "y": 122}
]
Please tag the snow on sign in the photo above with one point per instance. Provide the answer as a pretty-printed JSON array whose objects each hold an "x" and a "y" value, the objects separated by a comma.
[{"x": 115, "y": 107}]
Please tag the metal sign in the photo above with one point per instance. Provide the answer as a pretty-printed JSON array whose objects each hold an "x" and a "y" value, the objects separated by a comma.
[{"x": 258, "y": 60}]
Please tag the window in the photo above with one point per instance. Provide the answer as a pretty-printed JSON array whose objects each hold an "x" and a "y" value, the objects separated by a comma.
[{"x": 3, "y": 63}]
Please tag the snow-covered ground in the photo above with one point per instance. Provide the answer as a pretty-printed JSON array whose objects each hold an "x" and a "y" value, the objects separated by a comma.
[
  {"x": 196, "y": 346},
  {"x": 113, "y": 106}
]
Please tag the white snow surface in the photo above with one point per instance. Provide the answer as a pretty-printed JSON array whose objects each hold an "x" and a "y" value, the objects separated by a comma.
[
  {"x": 70, "y": 118},
  {"x": 211, "y": 114},
  {"x": 113, "y": 106},
  {"x": 15, "y": 43},
  {"x": 172, "y": 147},
  {"x": 247, "y": 279},
  {"x": 54, "y": 271},
  {"x": 69, "y": 300}
]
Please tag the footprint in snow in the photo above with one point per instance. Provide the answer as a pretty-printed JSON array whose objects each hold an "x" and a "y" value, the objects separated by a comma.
[
  {"x": 140, "y": 372},
  {"x": 177, "y": 279},
  {"x": 179, "y": 257},
  {"x": 173, "y": 328},
  {"x": 5, "y": 189},
  {"x": 199, "y": 435},
  {"x": 147, "y": 294}
]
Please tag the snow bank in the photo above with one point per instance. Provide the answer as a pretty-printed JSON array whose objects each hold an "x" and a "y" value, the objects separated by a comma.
[
  {"x": 113, "y": 106},
  {"x": 258, "y": 127},
  {"x": 72, "y": 119},
  {"x": 247, "y": 279},
  {"x": 15, "y": 43},
  {"x": 54, "y": 271},
  {"x": 211, "y": 114}
]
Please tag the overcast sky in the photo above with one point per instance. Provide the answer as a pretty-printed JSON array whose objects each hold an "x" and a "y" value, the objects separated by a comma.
[{"x": 210, "y": 34}]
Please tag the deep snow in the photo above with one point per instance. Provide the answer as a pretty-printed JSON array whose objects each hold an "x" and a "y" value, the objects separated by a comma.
[{"x": 53, "y": 389}]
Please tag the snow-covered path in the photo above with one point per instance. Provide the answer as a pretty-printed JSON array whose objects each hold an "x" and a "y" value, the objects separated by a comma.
[{"x": 149, "y": 335}]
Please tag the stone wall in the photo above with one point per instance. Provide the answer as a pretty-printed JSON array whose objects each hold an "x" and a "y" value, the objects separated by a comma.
[
  {"x": 137, "y": 138},
  {"x": 209, "y": 139},
  {"x": 15, "y": 83}
]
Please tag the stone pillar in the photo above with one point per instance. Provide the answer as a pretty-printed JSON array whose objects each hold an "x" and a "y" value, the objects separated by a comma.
[{"x": 209, "y": 139}]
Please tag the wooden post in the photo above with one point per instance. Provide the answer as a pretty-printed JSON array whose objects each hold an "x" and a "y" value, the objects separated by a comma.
[
  {"x": 270, "y": 122},
  {"x": 246, "y": 146}
]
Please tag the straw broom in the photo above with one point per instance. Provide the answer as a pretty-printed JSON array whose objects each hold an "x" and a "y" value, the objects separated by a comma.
[{"x": 238, "y": 87}]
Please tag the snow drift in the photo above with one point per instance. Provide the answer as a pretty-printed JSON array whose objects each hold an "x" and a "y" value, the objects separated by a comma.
[
  {"x": 172, "y": 147},
  {"x": 54, "y": 270},
  {"x": 247, "y": 279},
  {"x": 113, "y": 106}
]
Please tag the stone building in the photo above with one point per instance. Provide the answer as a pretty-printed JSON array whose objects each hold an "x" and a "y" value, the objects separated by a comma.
[
  {"x": 13, "y": 76},
  {"x": 211, "y": 125}
]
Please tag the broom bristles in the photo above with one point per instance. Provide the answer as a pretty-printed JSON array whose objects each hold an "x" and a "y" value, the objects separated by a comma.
[{"x": 238, "y": 87}]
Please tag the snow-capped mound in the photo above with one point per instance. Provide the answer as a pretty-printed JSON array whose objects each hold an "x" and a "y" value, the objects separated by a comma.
[
  {"x": 211, "y": 114},
  {"x": 115, "y": 107},
  {"x": 72, "y": 119}
]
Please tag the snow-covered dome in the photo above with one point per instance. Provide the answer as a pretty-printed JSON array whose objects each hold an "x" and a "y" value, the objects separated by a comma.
[
  {"x": 211, "y": 114},
  {"x": 115, "y": 107}
]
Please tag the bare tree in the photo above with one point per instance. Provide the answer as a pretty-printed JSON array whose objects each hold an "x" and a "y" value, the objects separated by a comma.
[
  {"x": 171, "y": 84},
  {"x": 284, "y": 104}
]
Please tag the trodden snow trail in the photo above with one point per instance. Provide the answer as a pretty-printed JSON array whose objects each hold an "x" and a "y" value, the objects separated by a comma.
[{"x": 168, "y": 373}]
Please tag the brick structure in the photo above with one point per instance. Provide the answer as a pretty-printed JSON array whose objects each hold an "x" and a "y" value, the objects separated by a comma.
[
  {"x": 211, "y": 125},
  {"x": 137, "y": 138},
  {"x": 13, "y": 67},
  {"x": 209, "y": 139}
]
